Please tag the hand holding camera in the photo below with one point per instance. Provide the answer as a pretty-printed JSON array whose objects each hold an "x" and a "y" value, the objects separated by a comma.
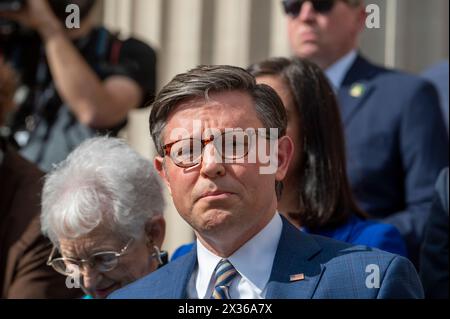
[{"x": 34, "y": 14}]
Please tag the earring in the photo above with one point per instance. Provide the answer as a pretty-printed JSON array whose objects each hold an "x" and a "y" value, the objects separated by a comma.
[{"x": 161, "y": 256}]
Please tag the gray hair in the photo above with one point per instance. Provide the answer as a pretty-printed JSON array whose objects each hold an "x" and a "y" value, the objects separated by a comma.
[
  {"x": 102, "y": 182},
  {"x": 201, "y": 80}
]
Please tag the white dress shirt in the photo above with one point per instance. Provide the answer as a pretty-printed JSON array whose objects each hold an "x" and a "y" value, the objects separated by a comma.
[
  {"x": 253, "y": 262},
  {"x": 337, "y": 72}
]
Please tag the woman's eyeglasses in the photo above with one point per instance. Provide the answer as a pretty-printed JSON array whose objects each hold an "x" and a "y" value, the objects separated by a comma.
[{"x": 101, "y": 261}]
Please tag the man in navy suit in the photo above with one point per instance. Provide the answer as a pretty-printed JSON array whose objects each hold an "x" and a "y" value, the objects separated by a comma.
[
  {"x": 222, "y": 152},
  {"x": 396, "y": 139}
]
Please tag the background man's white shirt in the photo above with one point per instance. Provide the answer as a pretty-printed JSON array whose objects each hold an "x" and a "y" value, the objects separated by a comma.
[{"x": 337, "y": 72}]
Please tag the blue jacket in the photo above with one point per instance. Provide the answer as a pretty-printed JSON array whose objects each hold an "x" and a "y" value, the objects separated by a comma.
[
  {"x": 355, "y": 231},
  {"x": 369, "y": 233},
  {"x": 331, "y": 269},
  {"x": 396, "y": 145}
]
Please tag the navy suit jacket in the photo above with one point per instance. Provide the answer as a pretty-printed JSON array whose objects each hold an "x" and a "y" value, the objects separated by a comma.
[
  {"x": 396, "y": 145},
  {"x": 438, "y": 75},
  {"x": 331, "y": 269},
  {"x": 434, "y": 265}
]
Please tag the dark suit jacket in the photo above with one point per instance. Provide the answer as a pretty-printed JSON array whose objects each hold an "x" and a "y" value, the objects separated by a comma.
[
  {"x": 23, "y": 249},
  {"x": 396, "y": 145},
  {"x": 434, "y": 268},
  {"x": 332, "y": 269},
  {"x": 438, "y": 75}
]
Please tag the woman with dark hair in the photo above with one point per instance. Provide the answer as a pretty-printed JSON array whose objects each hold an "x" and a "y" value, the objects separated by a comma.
[{"x": 317, "y": 197}]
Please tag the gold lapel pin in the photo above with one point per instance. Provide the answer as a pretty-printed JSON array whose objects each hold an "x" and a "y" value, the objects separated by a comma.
[
  {"x": 297, "y": 277},
  {"x": 357, "y": 90}
]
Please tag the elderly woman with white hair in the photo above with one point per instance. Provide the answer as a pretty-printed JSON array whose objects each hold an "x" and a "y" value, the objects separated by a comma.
[{"x": 102, "y": 209}]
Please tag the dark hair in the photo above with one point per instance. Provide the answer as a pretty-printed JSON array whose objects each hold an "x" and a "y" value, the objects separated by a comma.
[
  {"x": 325, "y": 195},
  {"x": 204, "y": 79}
]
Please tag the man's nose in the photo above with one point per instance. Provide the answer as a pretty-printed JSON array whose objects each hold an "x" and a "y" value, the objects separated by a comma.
[
  {"x": 307, "y": 12},
  {"x": 212, "y": 165}
]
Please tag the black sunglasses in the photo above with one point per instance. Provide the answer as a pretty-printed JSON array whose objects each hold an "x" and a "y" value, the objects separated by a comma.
[{"x": 293, "y": 7}]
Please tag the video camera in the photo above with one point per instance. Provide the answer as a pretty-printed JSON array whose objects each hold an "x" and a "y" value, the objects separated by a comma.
[{"x": 8, "y": 27}]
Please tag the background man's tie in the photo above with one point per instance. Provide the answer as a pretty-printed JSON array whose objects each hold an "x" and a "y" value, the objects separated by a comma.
[{"x": 224, "y": 275}]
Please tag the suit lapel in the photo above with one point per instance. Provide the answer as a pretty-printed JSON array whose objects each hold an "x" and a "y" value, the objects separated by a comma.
[
  {"x": 356, "y": 88},
  {"x": 295, "y": 273},
  {"x": 175, "y": 282}
]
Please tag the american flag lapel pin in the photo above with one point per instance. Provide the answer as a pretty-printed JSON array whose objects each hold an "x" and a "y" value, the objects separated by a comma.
[{"x": 297, "y": 277}]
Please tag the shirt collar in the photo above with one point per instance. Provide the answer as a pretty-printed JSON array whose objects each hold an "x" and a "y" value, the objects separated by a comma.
[
  {"x": 336, "y": 73},
  {"x": 252, "y": 261}
]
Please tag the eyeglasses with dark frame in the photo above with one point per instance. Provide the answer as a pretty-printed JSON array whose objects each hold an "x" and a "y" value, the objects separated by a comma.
[
  {"x": 102, "y": 261},
  {"x": 230, "y": 145},
  {"x": 293, "y": 7}
]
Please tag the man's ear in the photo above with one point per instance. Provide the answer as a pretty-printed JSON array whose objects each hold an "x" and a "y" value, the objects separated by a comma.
[
  {"x": 155, "y": 230},
  {"x": 285, "y": 154},
  {"x": 158, "y": 163},
  {"x": 361, "y": 18}
]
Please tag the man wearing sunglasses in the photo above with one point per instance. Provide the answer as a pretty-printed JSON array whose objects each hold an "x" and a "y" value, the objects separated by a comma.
[
  {"x": 396, "y": 139},
  {"x": 244, "y": 248}
]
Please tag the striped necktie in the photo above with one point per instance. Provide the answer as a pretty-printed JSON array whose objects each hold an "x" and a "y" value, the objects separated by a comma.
[{"x": 224, "y": 275}]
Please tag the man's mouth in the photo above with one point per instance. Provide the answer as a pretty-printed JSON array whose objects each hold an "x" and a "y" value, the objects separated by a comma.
[
  {"x": 308, "y": 36},
  {"x": 215, "y": 195}
]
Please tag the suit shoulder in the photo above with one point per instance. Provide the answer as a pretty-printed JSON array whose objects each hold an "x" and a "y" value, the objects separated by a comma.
[
  {"x": 401, "y": 78},
  {"x": 151, "y": 285},
  {"x": 139, "y": 289},
  {"x": 350, "y": 270},
  {"x": 390, "y": 77},
  {"x": 339, "y": 252}
]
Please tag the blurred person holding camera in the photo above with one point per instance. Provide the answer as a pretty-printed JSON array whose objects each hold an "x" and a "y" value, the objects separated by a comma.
[{"x": 75, "y": 82}]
